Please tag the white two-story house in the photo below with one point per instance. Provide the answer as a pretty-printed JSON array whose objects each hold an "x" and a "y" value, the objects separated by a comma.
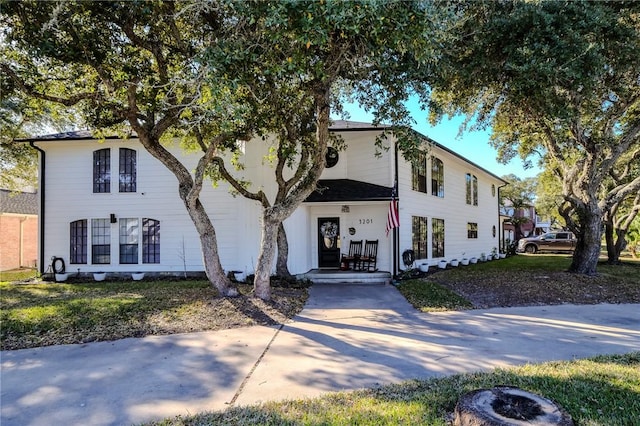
[{"x": 108, "y": 205}]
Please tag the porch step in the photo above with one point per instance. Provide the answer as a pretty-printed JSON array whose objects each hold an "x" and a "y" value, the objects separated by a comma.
[{"x": 334, "y": 276}]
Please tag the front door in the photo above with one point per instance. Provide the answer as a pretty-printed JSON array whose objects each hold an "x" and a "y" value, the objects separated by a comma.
[{"x": 328, "y": 242}]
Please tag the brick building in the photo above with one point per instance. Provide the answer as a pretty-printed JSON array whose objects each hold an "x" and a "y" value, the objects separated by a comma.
[{"x": 18, "y": 229}]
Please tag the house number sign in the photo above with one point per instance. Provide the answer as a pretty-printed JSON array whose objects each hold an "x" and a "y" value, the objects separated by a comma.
[{"x": 365, "y": 221}]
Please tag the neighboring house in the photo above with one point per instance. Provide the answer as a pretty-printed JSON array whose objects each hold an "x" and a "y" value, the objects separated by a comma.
[
  {"x": 530, "y": 223},
  {"x": 110, "y": 206},
  {"x": 18, "y": 229}
]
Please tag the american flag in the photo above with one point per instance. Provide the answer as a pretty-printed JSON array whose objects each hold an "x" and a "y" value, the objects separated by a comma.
[{"x": 393, "y": 219}]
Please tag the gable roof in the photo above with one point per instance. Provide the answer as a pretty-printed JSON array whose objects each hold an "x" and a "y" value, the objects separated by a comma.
[
  {"x": 348, "y": 190},
  {"x": 18, "y": 202}
]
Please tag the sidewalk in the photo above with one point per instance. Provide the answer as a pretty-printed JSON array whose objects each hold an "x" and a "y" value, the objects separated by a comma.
[{"x": 347, "y": 337}]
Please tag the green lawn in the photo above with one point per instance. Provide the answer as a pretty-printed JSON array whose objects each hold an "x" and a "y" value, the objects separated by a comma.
[
  {"x": 596, "y": 392},
  {"x": 41, "y": 314},
  {"x": 602, "y": 391}
]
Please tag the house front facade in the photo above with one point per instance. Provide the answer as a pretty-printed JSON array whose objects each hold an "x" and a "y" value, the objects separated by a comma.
[{"x": 108, "y": 205}]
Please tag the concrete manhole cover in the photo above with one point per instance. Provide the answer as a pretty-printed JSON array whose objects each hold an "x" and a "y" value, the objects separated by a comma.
[{"x": 508, "y": 406}]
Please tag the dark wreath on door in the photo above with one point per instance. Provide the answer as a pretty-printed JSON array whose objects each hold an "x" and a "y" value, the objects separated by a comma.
[{"x": 328, "y": 242}]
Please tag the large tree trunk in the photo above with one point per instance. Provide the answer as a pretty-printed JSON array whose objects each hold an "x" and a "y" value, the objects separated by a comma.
[
  {"x": 262, "y": 281},
  {"x": 282, "y": 269},
  {"x": 189, "y": 190},
  {"x": 209, "y": 244},
  {"x": 587, "y": 253},
  {"x": 612, "y": 255}
]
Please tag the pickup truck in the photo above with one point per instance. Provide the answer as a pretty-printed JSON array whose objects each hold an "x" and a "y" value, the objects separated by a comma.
[{"x": 551, "y": 242}]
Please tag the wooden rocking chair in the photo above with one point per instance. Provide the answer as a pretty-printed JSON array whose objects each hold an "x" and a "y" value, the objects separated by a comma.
[
  {"x": 368, "y": 260},
  {"x": 355, "y": 251}
]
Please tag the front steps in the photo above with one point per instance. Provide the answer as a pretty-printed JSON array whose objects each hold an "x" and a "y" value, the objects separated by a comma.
[{"x": 336, "y": 276}]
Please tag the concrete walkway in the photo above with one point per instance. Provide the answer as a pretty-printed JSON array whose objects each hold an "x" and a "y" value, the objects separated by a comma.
[{"x": 347, "y": 337}]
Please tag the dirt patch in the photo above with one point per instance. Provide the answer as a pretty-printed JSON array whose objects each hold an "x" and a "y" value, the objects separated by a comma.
[{"x": 525, "y": 288}]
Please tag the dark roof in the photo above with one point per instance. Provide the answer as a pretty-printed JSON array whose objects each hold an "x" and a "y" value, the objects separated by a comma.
[
  {"x": 87, "y": 134},
  {"x": 355, "y": 125},
  {"x": 18, "y": 202},
  {"x": 348, "y": 190}
]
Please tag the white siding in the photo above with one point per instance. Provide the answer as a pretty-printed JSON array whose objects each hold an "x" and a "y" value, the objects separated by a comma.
[
  {"x": 69, "y": 197},
  {"x": 452, "y": 208}
]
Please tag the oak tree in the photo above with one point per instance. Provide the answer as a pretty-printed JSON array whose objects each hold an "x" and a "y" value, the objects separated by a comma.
[{"x": 558, "y": 78}]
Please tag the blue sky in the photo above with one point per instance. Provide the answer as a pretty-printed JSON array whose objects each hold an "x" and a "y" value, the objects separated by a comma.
[{"x": 472, "y": 145}]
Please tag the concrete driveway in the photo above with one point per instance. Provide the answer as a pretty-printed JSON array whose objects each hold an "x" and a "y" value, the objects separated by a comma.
[{"x": 347, "y": 337}]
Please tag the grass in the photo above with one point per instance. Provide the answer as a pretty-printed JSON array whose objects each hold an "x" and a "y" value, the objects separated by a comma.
[
  {"x": 596, "y": 392},
  {"x": 601, "y": 391},
  {"x": 523, "y": 281},
  {"x": 41, "y": 314},
  {"x": 430, "y": 297},
  {"x": 18, "y": 275}
]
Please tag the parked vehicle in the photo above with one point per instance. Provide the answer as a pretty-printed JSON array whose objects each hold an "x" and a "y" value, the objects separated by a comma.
[{"x": 550, "y": 242}]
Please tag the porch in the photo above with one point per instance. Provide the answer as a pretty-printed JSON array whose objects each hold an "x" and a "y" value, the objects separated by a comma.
[{"x": 336, "y": 276}]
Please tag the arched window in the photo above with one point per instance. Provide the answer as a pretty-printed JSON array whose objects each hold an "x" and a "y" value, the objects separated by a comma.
[
  {"x": 437, "y": 177},
  {"x": 150, "y": 240},
  {"x": 472, "y": 189},
  {"x": 78, "y": 241},
  {"x": 127, "y": 176},
  {"x": 419, "y": 173},
  {"x": 102, "y": 171}
]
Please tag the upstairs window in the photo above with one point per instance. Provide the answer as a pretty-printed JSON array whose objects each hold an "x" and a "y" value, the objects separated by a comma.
[
  {"x": 102, "y": 171},
  {"x": 419, "y": 173},
  {"x": 475, "y": 191},
  {"x": 78, "y": 241},
  {"x": 437, "y": 177},
  {"x": 100, "y": 241},
  {"x": 472, "y": 189},
  {"x": 419, "y": 236},
  {"x": 127, "y": 176}
]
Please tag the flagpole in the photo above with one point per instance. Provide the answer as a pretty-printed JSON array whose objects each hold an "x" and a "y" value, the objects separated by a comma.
[{"x": 397, "y": 195}]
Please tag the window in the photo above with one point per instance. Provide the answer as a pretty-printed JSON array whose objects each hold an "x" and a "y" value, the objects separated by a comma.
[
  {"x": 127, "y": 170},
  {"x": 128, "y": 241},
  {"x": 150, "y": 241},
  {"x": 419, "y": 173},
  {"x": 102, "y": 171},
  {"x": 419, "y": 236},
  {"x": 331, "y": 158},
  {"x": 437, "y": 237},
  {"x": 100, "y": 241},
  {"x": 472, "y": 230},
  {"x": 475, "y": 191},
  {"x": 437, "y": 177},
  {"x": 78, "y": 241},
  {"x": 472, "y": 189}
]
